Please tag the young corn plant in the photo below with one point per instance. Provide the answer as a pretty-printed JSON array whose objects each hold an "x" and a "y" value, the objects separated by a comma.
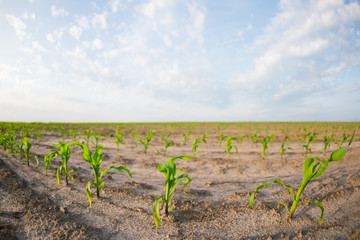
[
  {"x": 254, "y": 139},
  {"x": 195, "y": 146},
  {"x": 288, "y": 138},
  {"x": 241, "y": 139},
  {"x": 4, "y": 140},
  {"x": 88, "y": 133},
  {"x": 95, "y": 162},
  {"x": 300, "y": 139},
  {"x": 20, "y": 149},
  {"x": 343, "y": 139},
  {"x": 272, "y": 137},
  {"x": 167, "y": 136},
  {"x": 186, "y": 137},
  {"x": 27, "y": 145},
  {"x": 12, "y": 144},
  {"x": 221, "y": 138},
  {"x": 167, "y": 144},
  {"x": 73, "y": 135},
  {"x": 327, "y": 140},
  {"x": 119, "y": 138},
  {"x": 97, "y": 139},
  {"x": 47, "y": 162},
  {"x": 230, "y": 146},
  {"x": 265, "y": 142},
  {"x": 133, "y": 133},
  {"x": 146, "y": 142},
  {"x": 64, "y": 154},
  {"x": 203, "y": 139},
  {"x": 171, "y": 180},
  {"x": 283, "y": 149},
  {"x": 313, "y": 168},
  {"x": 309, "y": 139}
]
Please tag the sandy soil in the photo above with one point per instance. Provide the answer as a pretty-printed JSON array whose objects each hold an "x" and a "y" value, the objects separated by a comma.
[{"x": 32, "y": 206}]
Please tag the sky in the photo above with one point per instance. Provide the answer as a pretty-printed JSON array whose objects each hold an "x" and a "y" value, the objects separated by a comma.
[{"x": 179, "y": 60}]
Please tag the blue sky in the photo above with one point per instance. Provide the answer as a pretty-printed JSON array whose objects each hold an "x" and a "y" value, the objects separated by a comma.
[{"x": 179, "y": 60}]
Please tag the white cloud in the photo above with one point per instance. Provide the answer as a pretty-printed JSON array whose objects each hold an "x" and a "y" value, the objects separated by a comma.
[
  {"x": 55, "y": 36},
  {"x": 115, "y": 4},
  {"x": 300, "y": 44},
  {"x": 61, "y": 12},
  {"x": 76, "y": 32},
  {"x": 29, "y": 16},
  {"x": 26, "y": 50},
  {"x": 308, "y": 48},
  {"x": 18, "y": 26},
  {"x": 38, "y": 46},
  {"x": 197, "y": 16},
  {"x": 56, "y": 66},
  {"x": 97, "y": 43},
  {"x": 83, "y": 22},
  {"x": 50, "y": 38},
  {"x": 99, "y": 20}
]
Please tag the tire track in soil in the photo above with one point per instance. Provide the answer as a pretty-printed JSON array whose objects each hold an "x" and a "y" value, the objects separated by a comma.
[{"x": 39, "y": 216}]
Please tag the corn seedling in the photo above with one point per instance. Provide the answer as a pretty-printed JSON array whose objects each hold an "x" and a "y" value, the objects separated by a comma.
[
  {"x": 230, "y": 146},
  {"x": 95, "y": 162},
  {"x": 146, "y": 142},
  {"x": 327, "y": 140},
  {"x": 221, "y": 138},
  {"x": 64, "y": 154},
  {"x": 88, "y": 133},
  {"x": 73, "y": 134},
  {"x": 186, "y": 137},
  {"x": 167, "y": 144},
  {"x": 300, "y": 139},
  {"x": 272, "y": 137},
  {"x": 27, "y": 146},
  {"x": 119, "y": 138},
  {"x": 309, "y": 139},
  {"x": 20, "y": 149},
  {"x": 283, "y": 149},
  {"x": 241, "y": 139},
  {"x": 265, "y": 142},
  {"x": 12, "y": 144},
  {"x": 4, "y": 140},
  {"x": 169, "y": 170},
  {"x": 343, "y": 139},
  {"x": 195, "y": 146},
  {"x": 47, "y": 161},
  {"x": 167, "y": 136},
  {"x": 203, "y": 139},
  {"x": 313, "y": 168},
  {"x": 254, "y": 139},
  {"x": 133, "y": 133},
  {"x": 288, "y": 138},
  {"x": 97, "y": 139}
]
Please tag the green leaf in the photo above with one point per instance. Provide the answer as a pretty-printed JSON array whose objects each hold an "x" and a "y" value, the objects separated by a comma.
[
  {"x": 321, "y": 169},
  {"x": 338, "y": 154},
  {"x": 183, "y": 158},
  {"x": 86, "y": 154},
  {"x": 317, "y": 203},
  {"x": 88, "y": 192},
  {"x": 251, "y": 200},
  {"x": 156, "y": 212},
  {"x": 59, "y": 174},
  {"x": 70, "y": 172},
  {"x": 352, "y": 138},
  {"x": 101, "y": 186},
  {"x": 120, "y": 168},
  {"x": 179, "y": 171},
  {"x": 97, "y": 158}
]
